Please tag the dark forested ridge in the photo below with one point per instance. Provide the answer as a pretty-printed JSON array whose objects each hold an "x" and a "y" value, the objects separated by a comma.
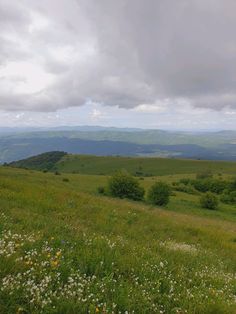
[{"x": 45, "y": 161}]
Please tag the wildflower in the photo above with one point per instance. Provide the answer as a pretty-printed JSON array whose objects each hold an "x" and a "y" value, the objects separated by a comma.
[
  {"x": 54, "y": 263},
  {"x": 58, "y": 253}
]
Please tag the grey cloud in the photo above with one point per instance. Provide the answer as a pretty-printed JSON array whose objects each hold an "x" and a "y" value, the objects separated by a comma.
[{"x": 141, "y": 52}]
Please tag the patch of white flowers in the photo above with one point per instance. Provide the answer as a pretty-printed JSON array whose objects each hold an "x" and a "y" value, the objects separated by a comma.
[
  {"x": 45, "y": 277},
  {"x": 10, "y": 242},
  {"x": 184, "y": 247}
]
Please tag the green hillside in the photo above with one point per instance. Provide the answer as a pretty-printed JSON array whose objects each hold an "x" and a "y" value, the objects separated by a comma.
[
  {"x": 85, "y": 164},
  {"x": 66, "y": 249},
  {"x": 140, "y": 166}
]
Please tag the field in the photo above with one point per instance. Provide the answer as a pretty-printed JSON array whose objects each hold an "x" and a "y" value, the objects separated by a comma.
[
  {"x": 108, "y": 165},
  {"x": 142, "y": 166},
  {"x": 66, "y": 249}
]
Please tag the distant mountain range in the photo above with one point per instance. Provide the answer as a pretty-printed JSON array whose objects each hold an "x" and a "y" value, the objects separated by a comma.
[{"x": 19, "y": 143}]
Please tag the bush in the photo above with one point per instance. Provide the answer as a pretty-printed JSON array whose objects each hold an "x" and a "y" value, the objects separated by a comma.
[
  {"x": 101, "y": 190},
  {"x": 65, "y": 180},
  {"x": 201, "y": 185},
  {"x": 228, "y": 197},
  {"x": 123, "y": 185},
  {"x": 233, "y": 185},
  {"x": 159, "y": 194},
  {"x": 217, "y": 186},
  {"x": 213, "y": 185},
  {"x": 209, "y": 201},
  {"x": 188, "y": 188}
]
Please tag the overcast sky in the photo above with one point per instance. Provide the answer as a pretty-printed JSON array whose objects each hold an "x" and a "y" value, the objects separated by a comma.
[{"x": 140, "y": 63}]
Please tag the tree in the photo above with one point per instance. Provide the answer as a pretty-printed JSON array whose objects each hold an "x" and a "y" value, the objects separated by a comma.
[
  {"x": 123, "y": 185},
  {"x": 159, "y": 194}
]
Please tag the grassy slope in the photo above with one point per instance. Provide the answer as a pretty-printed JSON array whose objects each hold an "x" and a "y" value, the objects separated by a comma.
[
  {"x": 137, "y": 253},
  {"x": 149, "y": 166}
]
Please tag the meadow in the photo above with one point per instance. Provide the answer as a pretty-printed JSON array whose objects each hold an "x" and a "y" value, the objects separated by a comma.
[
  {"x": 66, "y": 249},
  {"x": 107, "y": 165}
]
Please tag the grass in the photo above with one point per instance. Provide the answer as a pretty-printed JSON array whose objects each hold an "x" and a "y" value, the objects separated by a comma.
[
  {"x": 66, "y": 249},
  {"x": 143, "y": 166}
]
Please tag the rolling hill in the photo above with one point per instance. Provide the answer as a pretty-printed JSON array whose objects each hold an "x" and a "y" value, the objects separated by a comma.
[
  {"x": 140, "y": 166},
  {"x": 66, "y": 249}
]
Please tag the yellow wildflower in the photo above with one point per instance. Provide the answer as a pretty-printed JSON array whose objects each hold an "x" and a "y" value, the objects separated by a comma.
[{"x": 54, "y": 263}]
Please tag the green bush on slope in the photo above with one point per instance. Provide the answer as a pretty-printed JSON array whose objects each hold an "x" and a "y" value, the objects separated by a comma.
[
  {"x": 159, "y": 194},
  {"x": 209, "y": 201},
  {"x": 123, "y": 185}
]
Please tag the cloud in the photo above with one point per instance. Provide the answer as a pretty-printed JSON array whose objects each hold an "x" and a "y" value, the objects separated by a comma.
[{"x": 128, "y": 53}]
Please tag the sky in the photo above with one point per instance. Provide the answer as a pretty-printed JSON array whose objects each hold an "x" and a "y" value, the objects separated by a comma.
[{"x": 128, "y": 63}]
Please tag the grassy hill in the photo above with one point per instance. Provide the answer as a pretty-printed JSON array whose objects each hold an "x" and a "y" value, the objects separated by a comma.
[
  {"x": 66, "y": 249},
  {"x": 141, "y": 166},
  {"x": 85, "y": 164}
]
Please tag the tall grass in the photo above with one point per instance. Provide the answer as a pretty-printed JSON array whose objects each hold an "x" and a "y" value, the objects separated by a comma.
[{"x": 65, "y": 249}]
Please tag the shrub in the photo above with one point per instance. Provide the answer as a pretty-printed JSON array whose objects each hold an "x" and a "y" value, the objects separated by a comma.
[
  {"x": 123, "y": 185},
  {"x": 188, "y": 188},
  {"x": 101, "y": 190},
  {"x": 65, "y": 180},
  {"x": 233, "y": 184},
  {"x": 209, "y": 201},
  {"x": 201, "y": 185},
  {"x": 57, "y": 173},
  {"x": 228, "y": 197},
  {"x": 217, "y": 186},
  {"x": 159, "y": 193},
  {"x": 213, "y": 185}
]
